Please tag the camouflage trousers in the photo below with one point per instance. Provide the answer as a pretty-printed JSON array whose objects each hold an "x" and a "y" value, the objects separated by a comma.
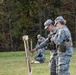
[
  {"x": 62, "y": 62},
  {"x": 40, "y": 58},
  {"x": 40, "y": 55},
  {"x": 52, "y": 65}
]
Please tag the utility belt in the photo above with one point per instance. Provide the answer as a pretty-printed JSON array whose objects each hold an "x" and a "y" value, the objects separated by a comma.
[{"x": 62, "y": 48}]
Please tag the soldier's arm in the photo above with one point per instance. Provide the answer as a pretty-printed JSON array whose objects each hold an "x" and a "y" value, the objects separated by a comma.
[
  {"x": 58, "y": 39},
  {"x": 43, "y": 44}
]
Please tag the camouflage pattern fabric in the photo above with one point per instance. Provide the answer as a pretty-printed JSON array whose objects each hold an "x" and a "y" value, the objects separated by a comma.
[
  {"x": 63, "y": 58},
  {"x": 62, "y": 62},
  {"x": 52, "y": 65}
]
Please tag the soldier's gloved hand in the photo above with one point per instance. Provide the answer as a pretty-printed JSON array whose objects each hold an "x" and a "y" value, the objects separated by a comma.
[{"x": 33, "y": 50}]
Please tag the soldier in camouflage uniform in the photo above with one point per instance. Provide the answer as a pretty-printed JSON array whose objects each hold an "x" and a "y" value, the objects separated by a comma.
[
  {"x": 63, "y": 40},
  {"x": 49, "y": 25},
  {"x": 40, "y": 57}
]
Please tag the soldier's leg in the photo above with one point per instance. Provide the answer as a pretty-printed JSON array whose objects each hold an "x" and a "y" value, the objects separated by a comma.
[
  {"x": 57, "y": 65},
  {"x": 63, "y": 65},
  {"x": 53, "y": 66},
  {"x": 37, "y": 58},
  {"x": 43, "y": 57}
]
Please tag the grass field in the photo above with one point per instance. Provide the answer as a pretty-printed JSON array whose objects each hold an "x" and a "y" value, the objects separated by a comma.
[{"x": 14, "y": 63}]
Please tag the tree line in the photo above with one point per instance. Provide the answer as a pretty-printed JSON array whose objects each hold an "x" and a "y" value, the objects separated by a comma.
[{"x": 19, "y": 17}]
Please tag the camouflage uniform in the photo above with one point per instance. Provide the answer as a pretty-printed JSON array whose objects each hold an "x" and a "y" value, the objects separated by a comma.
[
  {"x": 63, "y": 41},
  {"x": 53, "y": 52},
  {"x": 40, "y": 52}
]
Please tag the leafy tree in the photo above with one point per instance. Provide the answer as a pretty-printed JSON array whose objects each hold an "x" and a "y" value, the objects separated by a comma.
[{"x": 18, "y": 17}]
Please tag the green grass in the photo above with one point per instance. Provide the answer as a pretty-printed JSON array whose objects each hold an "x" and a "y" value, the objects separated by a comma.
[{"x": 14, "y": 63}]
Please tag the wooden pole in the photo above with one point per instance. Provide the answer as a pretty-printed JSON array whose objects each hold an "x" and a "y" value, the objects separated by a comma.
[
  {"x": 31, "y": 44},
  {"x": 26, "y": 45}
]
